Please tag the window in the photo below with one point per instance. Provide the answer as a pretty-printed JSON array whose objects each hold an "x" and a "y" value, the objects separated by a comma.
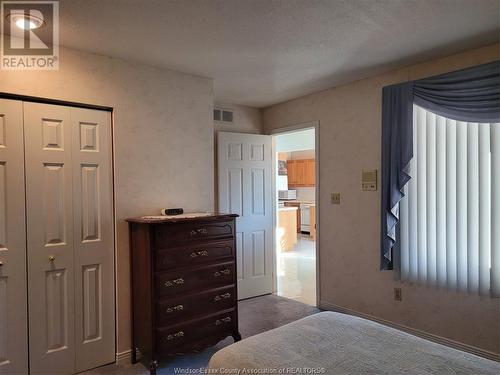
[{"x": 450, "y": 216}]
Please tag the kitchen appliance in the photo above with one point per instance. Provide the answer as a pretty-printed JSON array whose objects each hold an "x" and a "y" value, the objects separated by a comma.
[
  {"x": 305, "y": 217},
  {"x": 287, "y": 194}
]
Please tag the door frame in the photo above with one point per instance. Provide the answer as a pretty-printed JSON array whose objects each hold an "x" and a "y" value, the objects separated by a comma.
[
  {"x": 110, "y": 110},
  {"x": 292, "y": 129}
]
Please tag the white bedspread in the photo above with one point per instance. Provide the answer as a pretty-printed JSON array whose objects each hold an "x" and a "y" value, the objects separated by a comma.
[{"x": 334, "y": 343}]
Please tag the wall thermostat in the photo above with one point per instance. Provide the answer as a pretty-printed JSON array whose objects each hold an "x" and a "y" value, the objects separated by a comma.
[{"x": 369, "y": 180}]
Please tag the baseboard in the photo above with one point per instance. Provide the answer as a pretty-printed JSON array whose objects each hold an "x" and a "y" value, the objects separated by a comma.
[
  {"x": 123, "y": 357},
  {"x": 440, "y": 340}
]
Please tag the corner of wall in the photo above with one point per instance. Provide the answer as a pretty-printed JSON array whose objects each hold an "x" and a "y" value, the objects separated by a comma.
[{"x": 246, "y": 119}]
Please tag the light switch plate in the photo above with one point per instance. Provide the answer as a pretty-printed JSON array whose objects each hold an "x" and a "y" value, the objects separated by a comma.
[
  {"x": 335, "y": 198},
  {"x": 369, "y": 180}
]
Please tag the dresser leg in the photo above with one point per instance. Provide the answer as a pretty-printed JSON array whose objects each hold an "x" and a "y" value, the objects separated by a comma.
[
  {"x": 153, "y": 366},
  {"x": 236, "y": 336}
]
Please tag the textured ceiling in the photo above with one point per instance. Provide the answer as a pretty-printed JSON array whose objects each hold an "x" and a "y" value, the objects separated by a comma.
[{"x": 261, "y": 52}]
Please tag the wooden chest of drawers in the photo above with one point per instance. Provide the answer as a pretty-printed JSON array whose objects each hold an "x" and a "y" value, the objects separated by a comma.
[{"x": 183, "y": 284}]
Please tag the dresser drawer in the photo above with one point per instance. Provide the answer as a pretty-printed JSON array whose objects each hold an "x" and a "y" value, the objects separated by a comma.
[
  {"x": 199, "y": 278},
  {"x": 175, "y": 310},
  {"x": 172, "y": 339},
  {"x": 193, "y": 254},
  {"x": 174, "y": 235}
]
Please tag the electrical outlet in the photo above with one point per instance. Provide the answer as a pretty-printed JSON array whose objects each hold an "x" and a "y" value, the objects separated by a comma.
[
  {"x": 335, "y": 198},
  {"x": 398, "y": 294}
]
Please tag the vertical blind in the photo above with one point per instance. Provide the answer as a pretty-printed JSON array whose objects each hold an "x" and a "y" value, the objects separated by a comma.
[{"x": 450, "y": 215}]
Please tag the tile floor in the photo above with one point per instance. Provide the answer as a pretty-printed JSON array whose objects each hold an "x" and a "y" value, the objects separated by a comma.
[
  {"x": 256, "y": 315},
  {"x": 297, "y": 271}
]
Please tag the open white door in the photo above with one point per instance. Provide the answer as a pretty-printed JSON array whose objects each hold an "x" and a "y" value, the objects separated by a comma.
[{"x": 245, "y": 188}]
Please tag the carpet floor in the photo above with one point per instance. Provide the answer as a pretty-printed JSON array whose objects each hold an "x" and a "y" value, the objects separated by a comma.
[{"x": 256, "y": 315}]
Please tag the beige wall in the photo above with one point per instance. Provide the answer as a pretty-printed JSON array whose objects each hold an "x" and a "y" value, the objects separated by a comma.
[
  {"x": 163, "y": 132},
  {"x": 245, "y": 119},
  {"x": 350, "y": 127}
]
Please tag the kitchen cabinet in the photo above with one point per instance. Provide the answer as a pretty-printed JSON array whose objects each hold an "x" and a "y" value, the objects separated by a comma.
[
  {"x": 301, "y": 173},
  {"x": 310, "y": 173},
  {"x": 287, "y": 224},
  {"x": 312, "y": 222},
  {"x": 291, "y": 171},
  {"x": 297, "y": 205}
]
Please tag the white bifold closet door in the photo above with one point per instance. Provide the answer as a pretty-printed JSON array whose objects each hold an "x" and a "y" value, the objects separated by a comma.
[
  {"x": 69, "y": 238},
  {"x": 13, "y": 292}
]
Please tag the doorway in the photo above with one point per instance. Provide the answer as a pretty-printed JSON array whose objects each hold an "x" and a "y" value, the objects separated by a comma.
[
  {"x": 271, "y": 258},
  {"x": 296, "y": 163}
]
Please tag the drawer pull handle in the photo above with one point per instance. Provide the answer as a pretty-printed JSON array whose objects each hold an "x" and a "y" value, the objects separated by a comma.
[
  {"x": 201, "y": 253},
  {"x": 171, "y": 309},
  {"x": 175, "y": 335},
  {"x": 220, "y": 297},
  {"x": 196, "y": 232},
  {"x": 170, "y": 283},
  {"x": 227, "y": 319},
  {"x": 225, "y": 272}
]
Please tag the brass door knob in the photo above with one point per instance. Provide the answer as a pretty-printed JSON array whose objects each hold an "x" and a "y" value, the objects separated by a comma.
[{"x": 52, "y": 258}]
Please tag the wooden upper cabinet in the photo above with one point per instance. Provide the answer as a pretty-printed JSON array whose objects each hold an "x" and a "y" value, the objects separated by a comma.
[
  {"x": 310, "y": 172},
  {"x": 301, "y": 173},
  {"x": 291, "y": 171}
]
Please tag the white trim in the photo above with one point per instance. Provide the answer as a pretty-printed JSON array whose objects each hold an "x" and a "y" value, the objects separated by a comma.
[
  {"x": 296, "y": 127},
  {"x": 275, "y": 210},
  {"x": 290, "y": 129},
  {"x": 123, "y": 357},
  {"x": 318, "y": 207},
  {"x": 429, "y": 336},
  {"x": 115, "y": 225}
]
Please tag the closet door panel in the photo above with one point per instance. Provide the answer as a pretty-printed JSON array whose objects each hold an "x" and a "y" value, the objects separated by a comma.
[
  {"x": 93, "y": 238},
  {"x": 13, "y": 297},
  {"x": 49, "y": 198}
]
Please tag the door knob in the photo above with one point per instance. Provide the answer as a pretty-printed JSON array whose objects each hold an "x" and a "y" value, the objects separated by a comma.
[
  {"x": 52, "y": 258},
  {"x": 1, "y": 263}
]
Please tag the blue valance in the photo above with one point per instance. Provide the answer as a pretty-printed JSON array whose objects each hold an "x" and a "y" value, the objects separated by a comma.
[{"x": 471, "y": 94}]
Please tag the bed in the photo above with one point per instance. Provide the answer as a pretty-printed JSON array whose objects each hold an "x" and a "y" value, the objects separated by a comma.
[{"x": 335, "y": 343}]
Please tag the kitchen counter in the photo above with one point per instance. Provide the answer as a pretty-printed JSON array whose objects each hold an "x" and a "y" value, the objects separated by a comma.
[
  {"x": 298, "y": 201},
  {"x": 288, "y": 208},
  {"x": 306, "y": 215},
  {"x": 287, "y": 228}
]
